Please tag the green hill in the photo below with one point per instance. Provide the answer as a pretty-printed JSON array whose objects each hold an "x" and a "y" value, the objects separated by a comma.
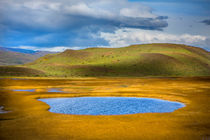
[{"x": 135, "y": 61}]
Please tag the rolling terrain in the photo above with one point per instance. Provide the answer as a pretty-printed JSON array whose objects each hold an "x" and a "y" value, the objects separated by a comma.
[
  {"x": 10, "y": 56},
  {"x": 163, "y": 60}
]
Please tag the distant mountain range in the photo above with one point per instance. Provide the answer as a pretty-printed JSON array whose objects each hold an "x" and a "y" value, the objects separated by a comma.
[
  {"x": 15, "y": 56},
  {"x": 18, "y": 50},
  {"x": 163, "y": 60}
]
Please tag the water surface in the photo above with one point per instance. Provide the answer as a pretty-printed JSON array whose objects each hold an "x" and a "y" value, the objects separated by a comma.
[
  {"x": 2, "y": 111},
  {"x": 54, "y": 90},
  {"x": 28, "y": 90},
  {"x": 110, "y": 105}
]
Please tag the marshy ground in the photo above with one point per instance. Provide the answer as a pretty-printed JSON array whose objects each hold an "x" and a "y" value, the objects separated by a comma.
[{"x": 29, "y": 119}]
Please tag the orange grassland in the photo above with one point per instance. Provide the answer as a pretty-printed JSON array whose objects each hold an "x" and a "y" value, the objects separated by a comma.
[{"x": 29, "y": 119}]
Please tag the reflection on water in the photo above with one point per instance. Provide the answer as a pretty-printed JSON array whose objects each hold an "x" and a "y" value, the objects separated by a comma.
[{"x": 110, "y": 105}]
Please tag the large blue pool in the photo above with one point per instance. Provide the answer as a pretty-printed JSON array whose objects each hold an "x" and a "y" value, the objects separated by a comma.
[{"x": 110, "y": 105}]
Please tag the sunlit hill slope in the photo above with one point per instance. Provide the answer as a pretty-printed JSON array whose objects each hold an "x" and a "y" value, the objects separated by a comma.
[{"x": 133, "y": 61}]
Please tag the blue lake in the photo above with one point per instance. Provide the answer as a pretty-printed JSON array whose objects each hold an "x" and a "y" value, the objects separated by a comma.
[{"x": 110, "y": 105}]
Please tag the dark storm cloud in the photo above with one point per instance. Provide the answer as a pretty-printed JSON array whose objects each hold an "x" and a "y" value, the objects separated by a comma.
[
  {"x": 207, "y": 21},
  {"x": 65, "y": 15}
]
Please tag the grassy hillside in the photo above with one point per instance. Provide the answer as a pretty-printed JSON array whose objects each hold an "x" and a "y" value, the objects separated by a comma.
[
  {"x": 8, "y": 57},
  {"x": 19, "y": 71},
  {"x": 135, "y": 60}
]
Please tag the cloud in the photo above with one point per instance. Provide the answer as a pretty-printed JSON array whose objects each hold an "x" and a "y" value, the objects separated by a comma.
[
  {"x": 56, "y": 15},
  {"x": 51, "y": 49},
  {"x": 128, "y": 36},
  {"x": 206, "y": 21},
  {"x": 46, "y": 23},
  {"x": 125, "y": 37},
  {"x": 115, "y": 23}
]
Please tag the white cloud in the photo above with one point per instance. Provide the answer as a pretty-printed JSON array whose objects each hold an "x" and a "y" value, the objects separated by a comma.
[
  {"x": 125, "y": 37},
  {"x": 128, "y": 36},
  {"x": 50, "y": 49}
]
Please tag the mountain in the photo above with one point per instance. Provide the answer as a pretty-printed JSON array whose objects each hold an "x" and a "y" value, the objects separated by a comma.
[
  {"x": 134, "y": 61},
  {"x": 18, "y": 50},
  {"x": 11, "y": 56}
]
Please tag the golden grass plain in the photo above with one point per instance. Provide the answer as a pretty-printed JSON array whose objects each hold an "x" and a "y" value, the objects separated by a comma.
[{"x": 30, "y": 119}]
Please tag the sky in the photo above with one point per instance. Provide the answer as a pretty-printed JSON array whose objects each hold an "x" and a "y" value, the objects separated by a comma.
[{"x": 56, "y": 25}]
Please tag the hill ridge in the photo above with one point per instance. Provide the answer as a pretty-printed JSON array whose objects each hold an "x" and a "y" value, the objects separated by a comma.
[{"x": 135, "y": 60}]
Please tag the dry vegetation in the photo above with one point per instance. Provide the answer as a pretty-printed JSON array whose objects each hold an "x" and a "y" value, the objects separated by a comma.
[{"x": 31, "y": 120}]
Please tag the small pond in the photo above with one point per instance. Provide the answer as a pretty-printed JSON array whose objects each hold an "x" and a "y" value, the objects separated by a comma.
[
  {"x": 110, "y": 105},
  {"x": 54, "y": 90},
  {"x": 33, "y": 90},
  {"x": 2, "y": 111},
  {"x": 25, "y": 90}
]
